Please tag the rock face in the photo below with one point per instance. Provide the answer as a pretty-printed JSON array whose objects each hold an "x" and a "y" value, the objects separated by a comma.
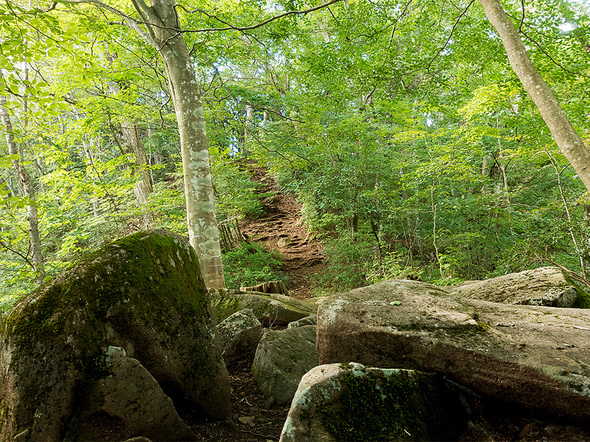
[
  {"x": 240, "y": 334},
  {"x": 338, "y": 402},
  {"x": 534, "y": 357},
  {"x": 144, "y": 294},
  {"x": 281, "y": 360},
  {"x": 270, "y": 308},
  {"x": 544, "y": 286},
  {"x": 128, "y": 401}
]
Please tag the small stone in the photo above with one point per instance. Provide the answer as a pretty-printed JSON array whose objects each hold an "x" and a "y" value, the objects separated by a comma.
[{"x": 247, "y": 420}]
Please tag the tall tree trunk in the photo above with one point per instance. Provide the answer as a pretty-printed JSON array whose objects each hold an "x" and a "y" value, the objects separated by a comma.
[
  {"x": 88, "y": 152},
  {"x": 248, "y": 129},
  {"x": 566, "y": 137},
  {"x": 26, "y": 189},
  {"x": 163, "y": 32},
  {"x": 134, "y": 141},
  {"x": 144, "y": 186}
]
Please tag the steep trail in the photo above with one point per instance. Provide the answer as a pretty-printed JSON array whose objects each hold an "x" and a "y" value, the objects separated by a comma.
[{"x": 280, "y": 228}]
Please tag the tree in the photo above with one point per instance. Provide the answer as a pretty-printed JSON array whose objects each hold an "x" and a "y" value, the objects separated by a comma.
[
  {"x": 160, "y": 27},
  {"x": 566, "y": 137},
  {"x": 26, "y": 189}
]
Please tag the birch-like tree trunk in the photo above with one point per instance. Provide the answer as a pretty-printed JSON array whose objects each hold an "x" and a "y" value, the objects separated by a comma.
[
  {"x": 164, "y": 33},
  {"x": 566, "y": 137},
  {"x": 144, "y": 186},
  {"x": 25, "y": 189},
  {"x": 248, "y": 129}
]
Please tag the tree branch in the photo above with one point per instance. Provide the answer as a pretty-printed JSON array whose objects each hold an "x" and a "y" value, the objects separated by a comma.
[
  {"x": 230, "y": 27},
  {"x": 555, "y": 62},
  {"x": 450, "y": 35},
  {"x": 129, "y": 21},
  {"x": 16, "y": 252}
]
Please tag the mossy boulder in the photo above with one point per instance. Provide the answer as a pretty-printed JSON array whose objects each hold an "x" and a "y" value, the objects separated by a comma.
[
  {"x": 342, "y": 402},
  {"x": 308, "y": 320},
  {"x": 144, "y": 294},
  {"x": 534, "y": 358},
  {"x": 127, "y": 401},
  {"x": 270, "y": 308},
  {"x": 240, "y": 334}
]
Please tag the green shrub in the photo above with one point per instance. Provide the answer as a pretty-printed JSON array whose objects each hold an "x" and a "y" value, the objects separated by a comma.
[
  {"x": 249, "y": 265},
  {"x": 393, "y": 266},
  {"x": 347, "y": 263}
]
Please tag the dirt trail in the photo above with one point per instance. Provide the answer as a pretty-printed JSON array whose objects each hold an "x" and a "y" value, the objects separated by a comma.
[{"x": 280, "y": 228}]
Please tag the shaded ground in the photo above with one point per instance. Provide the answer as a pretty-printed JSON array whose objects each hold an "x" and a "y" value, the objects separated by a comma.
[
  {"x": 281, "y": 229},
  {"x": 252, "y": 423}
]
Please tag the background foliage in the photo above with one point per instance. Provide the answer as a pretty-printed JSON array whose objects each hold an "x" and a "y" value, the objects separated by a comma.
[{"x": 399, "y": 126}]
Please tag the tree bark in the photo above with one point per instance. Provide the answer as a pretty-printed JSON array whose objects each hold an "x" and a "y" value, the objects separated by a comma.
[
  {"x": 144, "y": 186},
  {"x": 566, "y": 137},
  {"x": 25, "y": 189},
  {"x": 163, "y": 32}
]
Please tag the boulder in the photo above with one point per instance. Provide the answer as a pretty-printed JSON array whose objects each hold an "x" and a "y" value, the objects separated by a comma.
[
  {"x": 308, "y": 320},
  {"x": 536, "y": 358},
  {"x": 270, "y": 308},
  {"x": 339, "y": 402},
  {"x": 239, "y": 334},
  {"x": 282, "y": 358},
  {"x": 543, "y": 286},
  {"x": 144, "y": 294},
  {"x": 128, "y": 400}
]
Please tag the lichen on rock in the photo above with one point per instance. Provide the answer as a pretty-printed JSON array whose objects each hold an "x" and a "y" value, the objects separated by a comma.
[{"x": 533, "y": 357}]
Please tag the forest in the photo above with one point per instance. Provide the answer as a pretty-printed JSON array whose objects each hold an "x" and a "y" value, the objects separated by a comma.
[{"x": 402, "y": 127}]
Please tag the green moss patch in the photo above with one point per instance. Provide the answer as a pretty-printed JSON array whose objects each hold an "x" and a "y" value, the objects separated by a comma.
[
  {"x": 144, "y": 293},
  {"x": 391, "y": 405}
]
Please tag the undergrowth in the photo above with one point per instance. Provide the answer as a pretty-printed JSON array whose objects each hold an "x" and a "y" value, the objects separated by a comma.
[{"x": 250, "y": 264}]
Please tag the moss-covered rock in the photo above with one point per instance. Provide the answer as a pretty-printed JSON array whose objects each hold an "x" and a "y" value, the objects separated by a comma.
[
  {"x": 239, "y": 334},
  {"x": 308, "y": 320},
  {"x": 127, "y": 401},
  {"x": 547, "y": 286},
  {"x": 143, "y": 293},
  {"x": 341, "y": 402},
  {"x": 269, "y": 308}
]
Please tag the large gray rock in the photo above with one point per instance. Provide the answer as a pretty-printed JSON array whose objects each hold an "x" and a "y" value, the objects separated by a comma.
[
  {"x": 143, "y": 293},
  {"x": 533, "y": 357},
  {"x": 270, "y": 308},
  {"x": 128, "y": 401},
  {"x": 239, "y": 334},
  {"x": 543, "y": 286},
  {"x": 281, "y": 360},
  {"x": 338, "y": 402}
]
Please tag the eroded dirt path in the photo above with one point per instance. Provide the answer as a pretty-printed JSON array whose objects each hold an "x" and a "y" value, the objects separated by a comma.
[{"x": 280, "y": 228}]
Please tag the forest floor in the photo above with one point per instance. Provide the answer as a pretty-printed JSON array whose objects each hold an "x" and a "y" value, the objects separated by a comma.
[{"x": 252, "y": 422}]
